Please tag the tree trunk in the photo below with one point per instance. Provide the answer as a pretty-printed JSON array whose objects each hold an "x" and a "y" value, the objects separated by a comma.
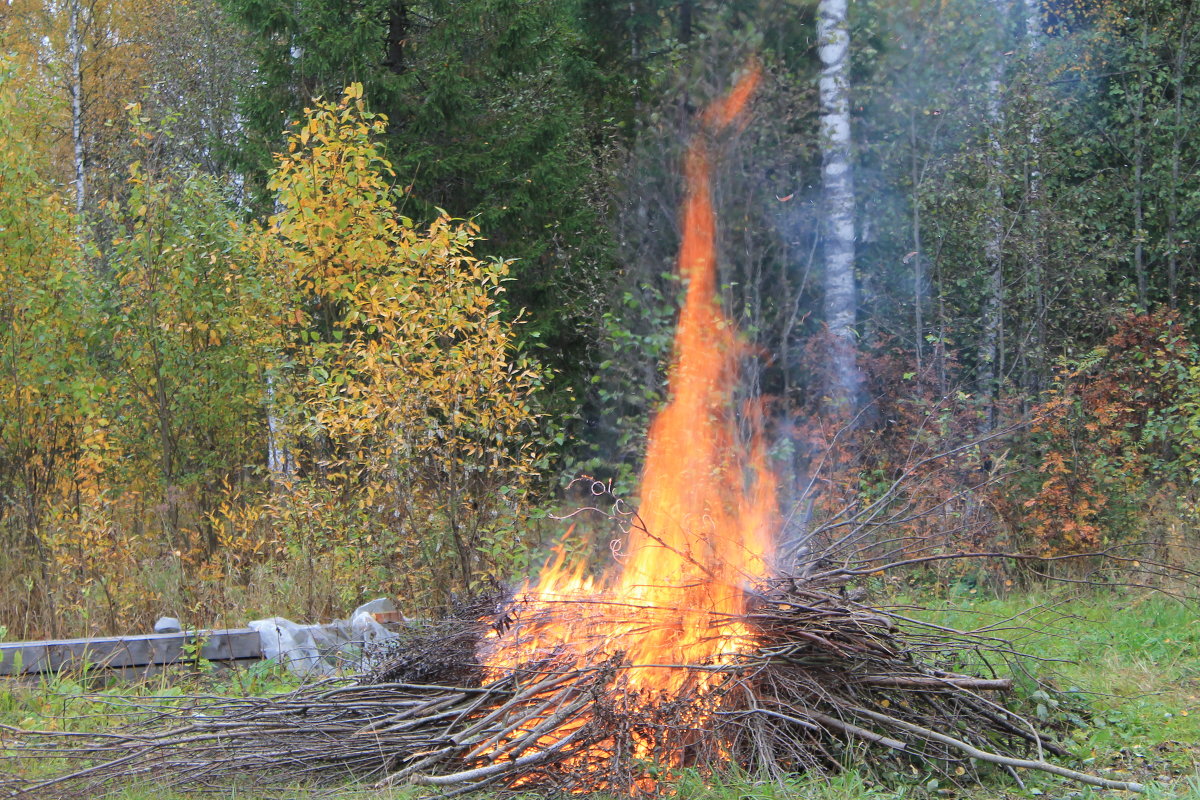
[
  {"x": 837, "y": 190},
  {"x": 993, "y": 247},
  {"x": 1139, "y": 173},
  {"x": 1179, "y": 130},
  {"x": 397, "y": 36},
  {"x": 1173, "y": 204},
  {"x": 280, "y": 466},
  {"x": 635, "y": 49},
  {"x": 918, "y": 254},
  {"x": 168, "y": 455},
  {"x": 75, "y": 45},
  {"x": 1035, "y": 276}
]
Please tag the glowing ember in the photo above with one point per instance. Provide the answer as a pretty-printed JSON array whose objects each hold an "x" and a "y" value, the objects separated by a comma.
[{"x": 676, "y": 598}]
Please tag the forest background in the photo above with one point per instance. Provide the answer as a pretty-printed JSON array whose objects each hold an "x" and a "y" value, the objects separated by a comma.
[{"x": 305, "y": 302}]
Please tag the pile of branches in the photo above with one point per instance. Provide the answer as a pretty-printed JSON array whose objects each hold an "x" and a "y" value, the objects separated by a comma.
[{"x": 828, "y": 679}]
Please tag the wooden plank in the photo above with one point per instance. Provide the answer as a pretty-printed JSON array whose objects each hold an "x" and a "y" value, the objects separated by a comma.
[{"x": 127, "y": 651}]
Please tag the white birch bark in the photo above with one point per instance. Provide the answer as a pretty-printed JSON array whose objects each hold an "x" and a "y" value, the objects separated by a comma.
[
  {"x": 1036, "y": 272},
  {"x": 837, "y": 190},
  {"x": 280, "y": 465},
  {"x": 75, "y": 49},
  {"x": 990, "y": 346}
]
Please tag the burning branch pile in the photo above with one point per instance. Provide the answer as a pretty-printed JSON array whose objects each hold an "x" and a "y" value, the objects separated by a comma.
[{"x": 825, "y": 680}]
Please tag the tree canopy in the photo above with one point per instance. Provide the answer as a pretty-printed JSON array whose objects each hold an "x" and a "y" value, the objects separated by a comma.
[{"x": 358, "y": 287}]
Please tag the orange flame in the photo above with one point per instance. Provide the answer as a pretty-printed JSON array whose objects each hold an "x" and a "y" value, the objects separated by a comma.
[
  {"x": 707, "y": 510},
  {"x": 702, "y": 536}
]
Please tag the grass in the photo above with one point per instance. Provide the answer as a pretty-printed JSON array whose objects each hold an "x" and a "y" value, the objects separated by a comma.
[
  {"x": 1118, "y": 675},
  {"x": 1118, "y": 678}
]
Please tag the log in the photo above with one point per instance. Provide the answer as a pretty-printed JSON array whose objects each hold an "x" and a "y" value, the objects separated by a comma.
[{"x": 117, "y": 652}]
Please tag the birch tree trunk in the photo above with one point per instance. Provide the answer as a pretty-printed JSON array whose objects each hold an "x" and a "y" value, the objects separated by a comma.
[
  {"x": 280, "y": 465},
  {"x": 918, "y": 252},
  {"x": 990, "y": 344},
  {"x": 837, "y": 192},
  {"x": 1139, "y": 173},
  {"x": 1179, "y": 132},
  {"x": 75, "y": 46},
  {"x": 1035, "y": 275}
]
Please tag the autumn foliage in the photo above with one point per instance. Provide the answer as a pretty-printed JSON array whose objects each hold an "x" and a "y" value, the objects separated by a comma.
[
  {"x": 405, "y": 382},
  {"x": 334, "y": 399},
  {"x": 1113, "y": 444}
]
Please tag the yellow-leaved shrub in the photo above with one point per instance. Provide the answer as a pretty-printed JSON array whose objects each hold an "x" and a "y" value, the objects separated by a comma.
[{"x": 406, "y": 401}]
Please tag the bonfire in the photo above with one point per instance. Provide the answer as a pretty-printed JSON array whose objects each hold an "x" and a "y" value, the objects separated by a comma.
[{"x": 690, "y": 651}]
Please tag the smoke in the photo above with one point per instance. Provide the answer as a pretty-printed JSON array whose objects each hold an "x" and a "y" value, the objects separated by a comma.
[{"x": 922, "y": 74}]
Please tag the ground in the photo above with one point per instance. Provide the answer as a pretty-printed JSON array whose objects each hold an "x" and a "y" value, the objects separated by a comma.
[{"x": 1119, "y": 679}]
